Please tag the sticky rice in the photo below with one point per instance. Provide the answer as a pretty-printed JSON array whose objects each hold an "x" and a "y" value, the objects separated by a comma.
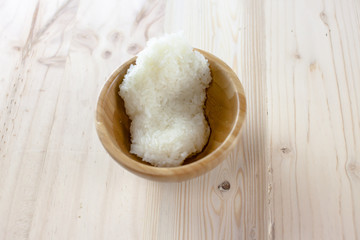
[{"x": 164, "y": 95}]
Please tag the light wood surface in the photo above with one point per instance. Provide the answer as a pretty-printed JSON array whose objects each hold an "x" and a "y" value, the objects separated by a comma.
[
  {"x": 225, "y": 110},
  {"x": 313, "y": 86},
  {"x": 293, "y": 175}
]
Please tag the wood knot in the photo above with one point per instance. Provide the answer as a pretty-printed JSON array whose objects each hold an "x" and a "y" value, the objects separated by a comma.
[
  {"x": 106, "y": 54},
  {"x": 115, "y": 37},
  {"x": 16, "y": 48},
  {"x": 353, "y": 169},
  {"x": 253, "y": 234},
  {"x": 324, "y": 18},
  {"x": 285, "y": 150},
  {"x": 87, "y": 39},
  {"x": 224, "y": 186},
  {"x": 134, "y": 48},
  {"x": 312, "y": 66}
]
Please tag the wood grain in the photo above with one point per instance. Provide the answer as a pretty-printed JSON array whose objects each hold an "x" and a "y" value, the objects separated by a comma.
[
  {"x": 313, "y": 101},
  {"x": 56, "y": 180},
  {"x": 233, "y": 32},
  {"x": 293, "y": 175}
]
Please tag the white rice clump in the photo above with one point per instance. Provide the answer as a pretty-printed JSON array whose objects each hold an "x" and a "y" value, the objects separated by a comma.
[{"x": 164, "y": 95}]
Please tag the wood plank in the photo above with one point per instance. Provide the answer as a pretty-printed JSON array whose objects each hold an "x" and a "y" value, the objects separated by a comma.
[
  {"x": 94, "y": 198},
  {"x": 56, "y": 180},
  {"x": 234, "y": 32},
  {"x": 313, "y": 84},
  {"x": 37, "y": 43}
]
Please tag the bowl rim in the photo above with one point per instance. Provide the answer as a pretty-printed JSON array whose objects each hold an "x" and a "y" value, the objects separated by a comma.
[{"x": 182, "y": 172}]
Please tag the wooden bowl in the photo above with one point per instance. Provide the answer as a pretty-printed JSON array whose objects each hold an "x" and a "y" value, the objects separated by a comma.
[{"x": 225, "y": 109}]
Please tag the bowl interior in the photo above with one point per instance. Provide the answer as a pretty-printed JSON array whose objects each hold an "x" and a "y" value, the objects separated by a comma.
[{"x": 225, "y": 110}]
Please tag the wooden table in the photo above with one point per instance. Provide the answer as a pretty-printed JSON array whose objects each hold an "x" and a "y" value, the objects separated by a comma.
[{"x": 295, "y": 173}]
